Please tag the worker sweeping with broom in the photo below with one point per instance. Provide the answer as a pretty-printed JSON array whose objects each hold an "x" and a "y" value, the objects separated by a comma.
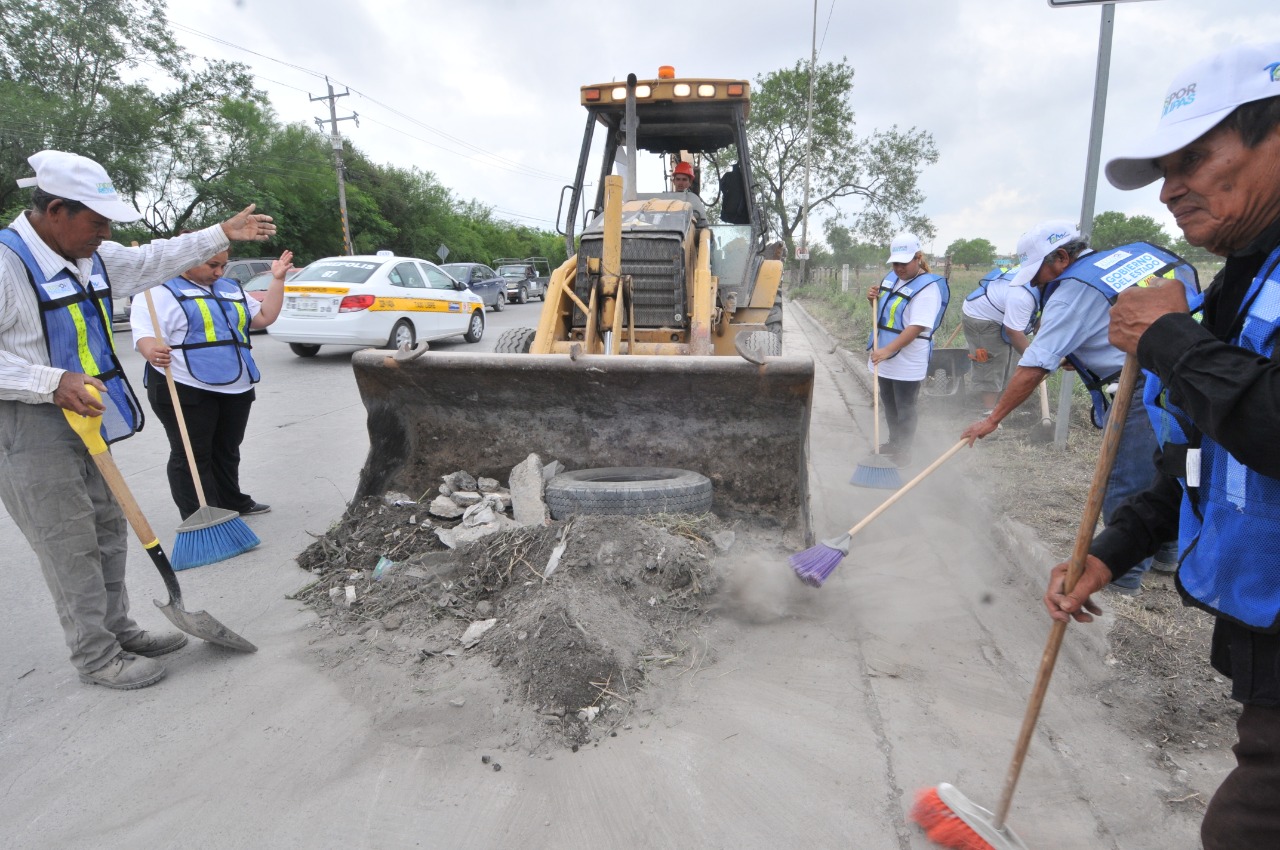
[
  {"x": 200, "y": 337},
  {"x": 58, "y": 271},
  {"x": 909, "y": 305}
]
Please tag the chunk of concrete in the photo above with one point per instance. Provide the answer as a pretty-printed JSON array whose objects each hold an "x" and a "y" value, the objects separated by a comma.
[
  {"x": 466, "y": 498},
  {"x": 527, "y": 484},
  {"x": 460, "y": 480},
  {"x": 551, "y": 470},
  {"x": 444, "y": 507},
  {"x": 488, "y": 485}
]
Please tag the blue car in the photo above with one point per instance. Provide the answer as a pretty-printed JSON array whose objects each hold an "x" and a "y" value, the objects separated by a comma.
[{"x": 481, "y": 280}]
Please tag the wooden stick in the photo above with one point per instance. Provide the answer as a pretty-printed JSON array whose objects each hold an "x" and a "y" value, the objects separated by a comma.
[
  {"x": 1084, "y": 536},
  {"x": 875, "y": 380},
  {"x": 902, "y": 491},
  {"x": 177, "y": 405},
  {"x": 955, "y": 333}
]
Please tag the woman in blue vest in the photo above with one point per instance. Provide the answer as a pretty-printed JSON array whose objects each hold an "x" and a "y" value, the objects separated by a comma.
[
  {"x": 205, "y": 321},
  {"x": 908, "y": 306},
  {"x": 1216, "y": 408}
]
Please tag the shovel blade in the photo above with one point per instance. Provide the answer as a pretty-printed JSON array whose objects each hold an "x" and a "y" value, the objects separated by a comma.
[{"x": 202, "y": 625}]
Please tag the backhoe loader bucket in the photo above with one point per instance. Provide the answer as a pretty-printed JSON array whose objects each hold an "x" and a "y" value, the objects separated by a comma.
[{"x": 742, "y": 425}]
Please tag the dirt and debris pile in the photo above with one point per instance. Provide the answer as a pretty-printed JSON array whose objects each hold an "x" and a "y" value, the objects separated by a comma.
[{"x": 570, "y": 615}]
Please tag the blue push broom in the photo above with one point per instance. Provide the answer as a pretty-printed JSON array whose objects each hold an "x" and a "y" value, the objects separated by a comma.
[
  {"x": 878, "y": 471},
  {"x": 210, "y": 534},
  {"x": 814, "y": 565}
]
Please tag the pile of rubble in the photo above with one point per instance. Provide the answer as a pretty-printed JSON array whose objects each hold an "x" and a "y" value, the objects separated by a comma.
[{"x": 571, "y": 614}]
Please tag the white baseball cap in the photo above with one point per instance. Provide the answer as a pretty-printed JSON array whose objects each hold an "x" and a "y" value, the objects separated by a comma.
[
  {"x": 903, "y": 248},
  {"x": 78, "y": 178},
  {"x": 1038, "y": 243},
  {"x": 1199, "y": 98}
]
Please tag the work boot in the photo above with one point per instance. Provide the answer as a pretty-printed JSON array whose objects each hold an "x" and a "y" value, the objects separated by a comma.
[
  {"x": 126, "y": 672},
  {"x": 151, "y": 644},
  {"x": 887, "y": 449}
]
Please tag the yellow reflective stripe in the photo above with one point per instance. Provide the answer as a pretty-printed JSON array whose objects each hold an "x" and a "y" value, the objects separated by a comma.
[
  {"x": 242, "y": 320},
  {"x": 87, "y": 363},
  {"x": 898, "y": 303},
  {"x": 210, "y": 334},
  {"x": 418, "y": 305},
  {"x": 106, "y": 323}
]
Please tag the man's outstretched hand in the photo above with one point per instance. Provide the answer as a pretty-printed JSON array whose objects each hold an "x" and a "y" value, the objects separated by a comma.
[{"x": 248, "y": 226}]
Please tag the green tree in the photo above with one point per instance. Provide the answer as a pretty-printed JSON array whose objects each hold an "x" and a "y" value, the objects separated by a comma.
[
  {"x": 1115, "y": 228},
  {"x": 882, "y": 169},
  {"x": 970, "y": 252}
]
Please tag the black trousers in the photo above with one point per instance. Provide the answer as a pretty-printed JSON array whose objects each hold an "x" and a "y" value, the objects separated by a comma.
[
  {"x": 216, "y": 423},
  {"x": 898, "y": 398},
  {"x": 1244, "y": 813}
]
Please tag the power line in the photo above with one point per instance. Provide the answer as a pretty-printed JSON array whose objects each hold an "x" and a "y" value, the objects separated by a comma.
[
  {"x": 499, "y": 160},
  {"x": 455, "y": 153}
]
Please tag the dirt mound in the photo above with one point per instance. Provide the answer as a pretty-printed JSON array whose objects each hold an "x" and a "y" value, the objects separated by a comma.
[{"x": 565, "y": 620}]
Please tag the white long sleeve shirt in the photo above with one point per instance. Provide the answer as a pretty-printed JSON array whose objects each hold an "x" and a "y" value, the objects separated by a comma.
[{"x": 25, "y": 371}]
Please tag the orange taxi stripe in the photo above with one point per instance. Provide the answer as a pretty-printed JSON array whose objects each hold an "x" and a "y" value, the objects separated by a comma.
[
  {"x": 317, "y": 290},
  {"x": 416, "y": 305}
]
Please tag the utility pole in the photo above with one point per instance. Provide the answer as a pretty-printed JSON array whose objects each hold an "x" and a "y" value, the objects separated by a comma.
[
  {"x": 803, "y": 253},
  {"x": 336, "y": 140}
]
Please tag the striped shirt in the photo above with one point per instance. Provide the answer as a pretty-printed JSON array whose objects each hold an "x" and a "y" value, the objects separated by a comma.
[{"x": 25, "y": 373}]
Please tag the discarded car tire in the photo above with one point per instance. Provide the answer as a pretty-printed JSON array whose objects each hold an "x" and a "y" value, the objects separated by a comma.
[
  {"x": 628, "y": 490},
  {"x": 765, "y": 342},
  {"x": 515, "y": 341}
]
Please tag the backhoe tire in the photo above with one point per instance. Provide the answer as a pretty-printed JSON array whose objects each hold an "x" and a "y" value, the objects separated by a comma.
[
  {"x": 628, "y": 490},
  {"x": 515, "y": 341},
  {"x": 302, "y": 349}
]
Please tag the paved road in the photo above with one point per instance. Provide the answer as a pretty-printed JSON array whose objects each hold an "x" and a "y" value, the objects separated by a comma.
[{"x": 812, "y": 728}]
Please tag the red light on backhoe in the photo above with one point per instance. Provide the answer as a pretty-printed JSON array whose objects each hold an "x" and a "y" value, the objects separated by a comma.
[
  {"x": 735, "y": 89},
  {"x": 591, "y": 94},
  {"x": 666, "y": 72}
]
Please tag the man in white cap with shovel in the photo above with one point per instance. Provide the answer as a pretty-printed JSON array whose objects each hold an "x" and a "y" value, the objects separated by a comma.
[
  {"x": 1214, "y": 385},
  {"x": 58, "y": 273}
]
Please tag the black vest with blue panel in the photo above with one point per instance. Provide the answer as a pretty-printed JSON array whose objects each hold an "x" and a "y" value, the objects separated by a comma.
[{"x": 1229, "y": 525}]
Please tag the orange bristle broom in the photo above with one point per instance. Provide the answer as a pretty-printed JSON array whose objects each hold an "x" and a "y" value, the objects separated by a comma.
[{"x": 949, "y": 818}]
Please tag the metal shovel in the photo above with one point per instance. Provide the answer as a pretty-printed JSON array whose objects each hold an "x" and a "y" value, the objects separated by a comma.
[{"x": 197, "y": 623}]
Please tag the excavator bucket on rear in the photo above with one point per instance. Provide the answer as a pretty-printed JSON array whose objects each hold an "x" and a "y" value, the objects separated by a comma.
[{"x": 742, "y": 425}]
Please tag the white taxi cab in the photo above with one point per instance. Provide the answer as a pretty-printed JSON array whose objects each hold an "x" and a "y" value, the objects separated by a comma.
[{"x": 381, "y": 300}]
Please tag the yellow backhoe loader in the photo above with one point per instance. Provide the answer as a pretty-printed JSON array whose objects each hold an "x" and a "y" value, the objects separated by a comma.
[{"x": 658, "y": 343}]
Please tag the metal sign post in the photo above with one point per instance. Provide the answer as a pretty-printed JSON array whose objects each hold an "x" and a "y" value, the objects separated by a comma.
[{"x": 1100, "y": 81}]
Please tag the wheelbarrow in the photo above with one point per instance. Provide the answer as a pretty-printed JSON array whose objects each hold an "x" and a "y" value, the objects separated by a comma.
[{"x": 947, "y": 370}]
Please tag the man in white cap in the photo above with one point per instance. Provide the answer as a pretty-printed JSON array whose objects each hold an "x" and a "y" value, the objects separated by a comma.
[
  {"x": 1215, "y": 387},
  {"x": 1075, "y": 310},
  {"x": 58, "y": 273}
]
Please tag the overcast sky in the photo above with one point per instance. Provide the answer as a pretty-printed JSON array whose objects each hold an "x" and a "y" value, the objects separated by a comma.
[{"x": 487, "y": 90}]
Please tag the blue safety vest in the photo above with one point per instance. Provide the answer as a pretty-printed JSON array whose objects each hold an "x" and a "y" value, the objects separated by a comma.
[
  {"x": 216, "y": 346},
  {"x": 981, "y": 292},
  {"x": 77, "y": 334},
  {"x": 1229, "y": 525},
  {"x": 891, "y": 309},
  {"x": 1111, "y": 272}
]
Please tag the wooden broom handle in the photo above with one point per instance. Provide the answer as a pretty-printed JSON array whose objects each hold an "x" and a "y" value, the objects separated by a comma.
[
  {"x": 875, "y": 382},
  {"x": 902, "y": 491},
  {"x": 955, "y": 333},
  {"x": 177, "y": 405},
  {"x": 1084, "y": 536}
]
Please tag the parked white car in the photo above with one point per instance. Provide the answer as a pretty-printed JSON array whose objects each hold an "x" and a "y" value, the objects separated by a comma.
[{"x": 381, "y": 300}]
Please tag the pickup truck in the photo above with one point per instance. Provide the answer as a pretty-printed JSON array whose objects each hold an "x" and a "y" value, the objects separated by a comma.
[{"x": 526, "y": 278}]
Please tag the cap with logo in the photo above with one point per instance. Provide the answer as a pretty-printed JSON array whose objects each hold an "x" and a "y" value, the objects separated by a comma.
[
  {"x": 1038, "y": 243},
  {"x": 77, "y": 178},
  {"x": 903, "y": 248},
  {"x": 1197, "y": 101}
]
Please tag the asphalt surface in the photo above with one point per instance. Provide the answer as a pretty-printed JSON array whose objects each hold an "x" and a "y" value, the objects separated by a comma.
[{"x": 813, "y": 727}]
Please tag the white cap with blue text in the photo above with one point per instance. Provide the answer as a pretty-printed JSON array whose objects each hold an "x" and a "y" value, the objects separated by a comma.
[
  {"x": 1038, "y": 243},
  {"x": 77, "y": 178},
  {"x": 1199, "y": 98},
  {"x": 903, "y": 248}
]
